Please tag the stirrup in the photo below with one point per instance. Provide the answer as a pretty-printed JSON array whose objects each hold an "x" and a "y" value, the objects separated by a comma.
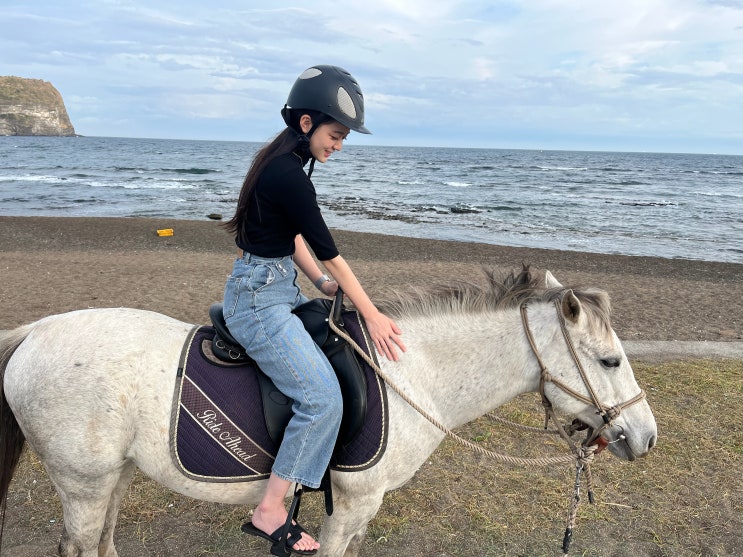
[{"x": 280, "y": 548}]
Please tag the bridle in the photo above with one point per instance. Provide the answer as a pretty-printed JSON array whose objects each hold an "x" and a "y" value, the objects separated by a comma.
[{"x": 607, "y": 413}]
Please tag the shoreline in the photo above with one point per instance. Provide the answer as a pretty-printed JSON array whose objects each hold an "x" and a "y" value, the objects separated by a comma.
[
  {"x": 55, "y": 264},
  {"x": 142, "y": 235}
]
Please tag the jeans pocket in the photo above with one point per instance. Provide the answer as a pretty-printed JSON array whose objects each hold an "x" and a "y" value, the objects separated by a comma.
[
  {"x": 231, "y": 296},
  {"x": 283, "y": 268},
  {"x": 260, "y": 277}
]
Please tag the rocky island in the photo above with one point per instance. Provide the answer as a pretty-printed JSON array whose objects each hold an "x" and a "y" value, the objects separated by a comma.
[{"x": 32, "y": 107}]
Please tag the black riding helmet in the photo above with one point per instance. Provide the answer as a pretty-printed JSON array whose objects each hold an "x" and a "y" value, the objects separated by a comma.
[{"x": 330, "y": 90}]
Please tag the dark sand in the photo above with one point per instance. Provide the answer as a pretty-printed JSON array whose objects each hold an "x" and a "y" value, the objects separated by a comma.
[{"x": 53, "y": 265}]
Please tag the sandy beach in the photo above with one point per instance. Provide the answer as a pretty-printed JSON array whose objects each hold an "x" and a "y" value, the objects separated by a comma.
[{"x": 52, "y": 265}]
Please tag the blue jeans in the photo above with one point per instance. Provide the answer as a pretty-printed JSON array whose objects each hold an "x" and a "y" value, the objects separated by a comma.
[{"x": 259, "y": 297}]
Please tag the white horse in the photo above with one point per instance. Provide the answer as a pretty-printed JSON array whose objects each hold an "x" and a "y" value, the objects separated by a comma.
[{"x": 91, "y": 393}]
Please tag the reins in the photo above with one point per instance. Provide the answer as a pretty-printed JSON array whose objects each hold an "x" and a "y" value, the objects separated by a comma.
[
  {"x": 582, "y": 455},
  {"x": 436, "y": 423}
]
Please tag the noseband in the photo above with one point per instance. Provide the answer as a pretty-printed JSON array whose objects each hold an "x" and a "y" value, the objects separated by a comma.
[{"x": 607, "y": 413}]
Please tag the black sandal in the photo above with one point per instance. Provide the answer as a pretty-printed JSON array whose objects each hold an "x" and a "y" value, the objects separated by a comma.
[{"x": 281, "y": 546}]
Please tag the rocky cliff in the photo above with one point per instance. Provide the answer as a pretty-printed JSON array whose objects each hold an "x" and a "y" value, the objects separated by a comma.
[{"x": 32, "y": 107}]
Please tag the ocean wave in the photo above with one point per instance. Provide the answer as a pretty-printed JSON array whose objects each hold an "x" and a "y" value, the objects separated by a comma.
[
  {"x": 32, "y": 178},
  {"x": 157, "y": 185},
  {"x": 560, "y": 168},
  {"x": 648, "y": 203},
  {"x": 733, "y": 194},
  {"x": 464, "y": 210},
  {"x": 505, "y": 208},
  {"x": 628, "y": 203},
  {"x": 191, "y": 170},
  {"x": 145, "y": 170}
]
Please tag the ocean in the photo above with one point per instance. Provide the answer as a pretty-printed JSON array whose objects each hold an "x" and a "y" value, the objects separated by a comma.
[{"x": 684, "y": 206}]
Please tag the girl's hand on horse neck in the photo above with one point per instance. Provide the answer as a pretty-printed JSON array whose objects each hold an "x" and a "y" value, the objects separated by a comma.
[
  {"x": 383, "y": 331},
  {"x": 385, "y": 335}
]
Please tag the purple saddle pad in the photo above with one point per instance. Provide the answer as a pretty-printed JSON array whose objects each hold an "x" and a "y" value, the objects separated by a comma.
[{"x": 218, "y": 432}]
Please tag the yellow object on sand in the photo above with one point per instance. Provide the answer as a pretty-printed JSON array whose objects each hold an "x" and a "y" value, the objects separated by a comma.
[{"x": 165, "y": 232}]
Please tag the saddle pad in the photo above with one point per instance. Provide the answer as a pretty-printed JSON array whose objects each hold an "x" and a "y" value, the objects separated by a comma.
[{"x": 218, "y": 432}]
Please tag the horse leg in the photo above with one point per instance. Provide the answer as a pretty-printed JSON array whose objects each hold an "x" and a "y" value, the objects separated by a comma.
[
  {"x": 344, "y": 532},
  {"x": 357, "y": 542},
  {"x": 106, "y": 546},
  {"x": 86, "y": 503}
]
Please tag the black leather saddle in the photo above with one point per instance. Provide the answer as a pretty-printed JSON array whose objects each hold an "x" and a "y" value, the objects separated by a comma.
[{"x": 277, "y": 408}]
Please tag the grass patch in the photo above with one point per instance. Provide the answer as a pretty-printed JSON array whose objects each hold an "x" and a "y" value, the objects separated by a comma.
[{"x": 684, "y": 500}]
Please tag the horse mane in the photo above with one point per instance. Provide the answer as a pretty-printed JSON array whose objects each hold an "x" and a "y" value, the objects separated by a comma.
[{"x": 498, "y": 294}]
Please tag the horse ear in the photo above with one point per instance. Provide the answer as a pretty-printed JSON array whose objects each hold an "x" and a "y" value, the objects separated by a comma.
[
  {"x": 550, "y": 281},
  {"x": 571, "y": 306}
]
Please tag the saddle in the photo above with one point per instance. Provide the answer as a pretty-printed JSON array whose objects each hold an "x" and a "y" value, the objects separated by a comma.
[{"x": 277, "y": 408}]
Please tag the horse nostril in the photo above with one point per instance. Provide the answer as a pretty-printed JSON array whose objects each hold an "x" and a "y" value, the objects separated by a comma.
[{"x": 651, "y": 442}]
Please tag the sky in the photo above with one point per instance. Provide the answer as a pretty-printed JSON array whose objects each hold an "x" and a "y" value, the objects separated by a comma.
[{"x": 629, "y": 75}]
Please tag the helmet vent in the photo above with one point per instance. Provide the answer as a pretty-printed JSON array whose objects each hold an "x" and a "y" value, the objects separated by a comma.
[
  {"x": 310, "y": 73},
  {"x": 345, "y": 103}
]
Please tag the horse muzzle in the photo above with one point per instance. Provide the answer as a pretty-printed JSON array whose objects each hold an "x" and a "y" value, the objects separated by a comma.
[{"x": 628, "y": 445}]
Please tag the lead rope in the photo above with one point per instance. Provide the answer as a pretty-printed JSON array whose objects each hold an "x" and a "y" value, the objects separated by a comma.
[
  {"x": 567, "y": 459},
  {"x": 582, "y": 455},
  {"x": 581, "y": 465}
]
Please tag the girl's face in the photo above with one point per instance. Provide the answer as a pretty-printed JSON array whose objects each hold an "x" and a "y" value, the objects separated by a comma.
[{"x": 326, "y": 139}]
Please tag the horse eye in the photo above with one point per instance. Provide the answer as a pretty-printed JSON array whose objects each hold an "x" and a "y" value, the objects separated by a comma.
[{"x": 610, "y": 362}]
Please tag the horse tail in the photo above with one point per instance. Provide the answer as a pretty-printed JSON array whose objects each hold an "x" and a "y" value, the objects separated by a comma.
[{"x": 11, "y": 436}]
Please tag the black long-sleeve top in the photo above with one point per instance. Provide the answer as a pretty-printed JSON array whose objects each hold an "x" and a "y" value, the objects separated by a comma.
[{"x": 284, "y": 204}]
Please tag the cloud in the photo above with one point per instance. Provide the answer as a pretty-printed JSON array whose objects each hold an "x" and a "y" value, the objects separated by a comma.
[{"x": 458, "y": 73}]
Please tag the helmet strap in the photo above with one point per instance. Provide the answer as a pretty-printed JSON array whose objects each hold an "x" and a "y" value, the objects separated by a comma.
[
  {"x": 303, "y": 139},
  {"x": 312, "y": 158}
]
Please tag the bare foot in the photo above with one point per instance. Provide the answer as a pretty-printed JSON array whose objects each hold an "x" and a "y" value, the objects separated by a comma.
[{"x": 270, "y": 520}]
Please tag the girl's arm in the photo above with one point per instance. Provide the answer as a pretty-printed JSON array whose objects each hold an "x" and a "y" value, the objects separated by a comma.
[
  {"x": 383, "y": 331},
  {"x": 306, "y": 263}
]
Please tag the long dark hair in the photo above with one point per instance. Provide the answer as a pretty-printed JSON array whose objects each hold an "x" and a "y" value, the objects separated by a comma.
[{"x": 291, "y": 139}]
